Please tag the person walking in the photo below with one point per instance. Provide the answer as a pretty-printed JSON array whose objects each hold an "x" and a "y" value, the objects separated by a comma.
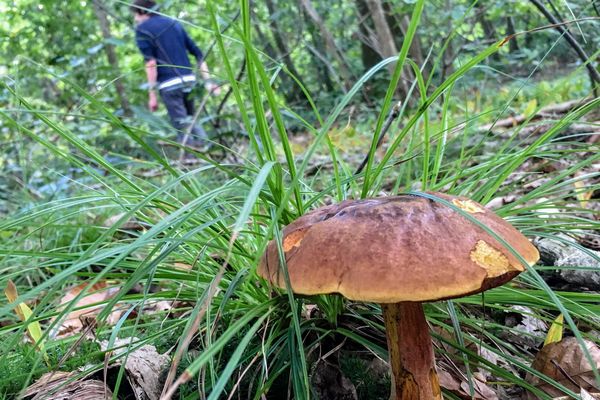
[{"x": 165, "y": 45}]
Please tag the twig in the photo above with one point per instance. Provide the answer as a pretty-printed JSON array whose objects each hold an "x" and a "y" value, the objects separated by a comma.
[
  {"x": 564, "y": 373},
  {"x": 213, "y": 44},
  {"x": 593, "y": 72},
  {"x": 188, "y": 130},
  {"x": 217, "y": 122}
]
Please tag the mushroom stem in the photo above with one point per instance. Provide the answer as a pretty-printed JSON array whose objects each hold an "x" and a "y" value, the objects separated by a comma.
[{"x": 411, "y": 354}]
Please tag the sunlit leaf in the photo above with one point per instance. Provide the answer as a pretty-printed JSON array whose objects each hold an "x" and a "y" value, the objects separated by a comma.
[
  {"x": 24, "y": 313},
  {"x": 95, "y": 49},
  {"x": 583, "y": 196},
  {"x": 530, "y": 108},
  {"x": 555, "y": 332}
]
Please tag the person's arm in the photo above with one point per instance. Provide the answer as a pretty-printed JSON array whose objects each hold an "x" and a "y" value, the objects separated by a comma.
[
  {"x": 191, "y": 46},
  {"x": 212, "y": 87},
  {"x": 151, "y": 75},
  {"x": 148, "y": 50}
]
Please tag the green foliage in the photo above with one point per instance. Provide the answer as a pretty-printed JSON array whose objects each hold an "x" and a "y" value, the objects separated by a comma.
[{"x": 369, "y": 385}]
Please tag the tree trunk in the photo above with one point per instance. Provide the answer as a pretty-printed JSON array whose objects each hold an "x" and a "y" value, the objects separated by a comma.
[
  {"x": 513, "y": 45},
  {"x": 110, "y": 53},
  {"x": 332, "y": 48},
  {"x": 290, "y": 94},
  {"x": 387, "y": 45},
  {"x": 321, "y": 65},
  {"x": 293, "y": 94},
  {"x": 415, "y": 52},
  {"x": 489, "y": 30},
  {"x": 368, "y": 42},
  {"x": 592, "y": 71}
]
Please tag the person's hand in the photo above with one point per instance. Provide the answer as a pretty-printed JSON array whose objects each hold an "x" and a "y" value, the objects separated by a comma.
[
  {"x": 212, "y": 88},
  {"x": 152, "y": 101}
]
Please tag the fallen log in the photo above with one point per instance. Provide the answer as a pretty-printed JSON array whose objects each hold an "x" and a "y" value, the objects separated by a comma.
[{"x": 550, "y": 111}]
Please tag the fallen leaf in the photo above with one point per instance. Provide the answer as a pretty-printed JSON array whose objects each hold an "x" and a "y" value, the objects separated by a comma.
[
  {"x": 528, "y": 330},
  {"x": 142, "y": 365},
  {"x": 566, "y": 363},
  {"x": 131, "y": 224},
  {"x": 24, "y": 313},
  {"x": 73, "y": 322},
  {"x": 460, "y": 387},
  {"x": 556, "y": 331},
  {"x": 158, "y": 306},
  {"x": 530, "y": 108},
  {"x": 585, "y": 395},
  {"x": 308, "y": 310},
  {"x": 60, "y": 385},
  {"x": 582, "y": 195},
  {"x": 183, "y": 266},
  {"x": 498, "y": 202}
]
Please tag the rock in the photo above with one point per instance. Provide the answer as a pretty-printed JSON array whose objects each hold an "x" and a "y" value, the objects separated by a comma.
[
  {"x": 553, "y": 249},
  {"x": 568, "y": 258},
  {"x": 329, "y": 383},
  {"x": 586, "y": 278}
]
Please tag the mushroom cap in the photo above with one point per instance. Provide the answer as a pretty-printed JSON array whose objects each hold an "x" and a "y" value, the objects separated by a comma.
[{"x": 400, "y": 248}]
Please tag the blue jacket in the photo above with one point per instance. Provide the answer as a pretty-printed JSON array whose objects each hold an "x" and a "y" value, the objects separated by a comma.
[{"x": 164, "y": 40}]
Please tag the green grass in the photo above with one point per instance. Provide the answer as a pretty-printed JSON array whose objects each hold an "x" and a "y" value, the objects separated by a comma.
[{"x": 218, "y": 217}]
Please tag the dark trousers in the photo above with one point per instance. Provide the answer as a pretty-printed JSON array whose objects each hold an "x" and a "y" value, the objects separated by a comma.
[{"x": 180, "y": 107}]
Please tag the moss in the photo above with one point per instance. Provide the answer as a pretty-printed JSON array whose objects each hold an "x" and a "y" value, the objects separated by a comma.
[{"x": 369, "y": 384}]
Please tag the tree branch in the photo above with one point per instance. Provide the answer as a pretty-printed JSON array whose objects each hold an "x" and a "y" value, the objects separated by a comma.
[{"x": 593, "y": 72}]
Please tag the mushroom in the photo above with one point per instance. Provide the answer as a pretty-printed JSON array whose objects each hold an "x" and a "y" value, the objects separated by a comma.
[{"x": 399, "y": 251}]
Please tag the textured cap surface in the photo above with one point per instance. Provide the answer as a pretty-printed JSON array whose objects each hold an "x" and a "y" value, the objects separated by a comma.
[{"x": 391, "y": 249}]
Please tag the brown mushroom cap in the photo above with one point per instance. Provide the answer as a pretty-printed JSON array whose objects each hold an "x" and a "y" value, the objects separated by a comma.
[{"x": 392, "y": 249}]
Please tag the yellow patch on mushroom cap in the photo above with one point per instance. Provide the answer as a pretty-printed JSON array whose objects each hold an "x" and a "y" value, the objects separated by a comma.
[
  {"x": 468, "y": 205},
  {"x": 493, "y": 261},
  {"x": 293, "y": 240}
]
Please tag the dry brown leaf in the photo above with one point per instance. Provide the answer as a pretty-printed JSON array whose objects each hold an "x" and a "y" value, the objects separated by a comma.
[
  {"x": 167, "y": 308},
  {"x": 329, "y": 382},
  {"x": 460, "y": 387},
  {"x": 73, "y": 322},
  {"x": 582, "y": 195},
  {"x": 183, "y": 266},
  {"x": 34, "y": 329},
  {"x": 476, "y": 348},
  {"x": 130, "y": 225},
  {"x": 585, "y": 395},
  {"x": 528, "y": 330},
  {"x": 563, "y": 360},
  {"x": 143, "y": 367},
  {"x": 158, "y": 306},
  {"x": 498, "y": 202},
  {"x": 62, "y": 386},
  {"x": 12, "y": 294},
  {"x": 308, "y": 310}
]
